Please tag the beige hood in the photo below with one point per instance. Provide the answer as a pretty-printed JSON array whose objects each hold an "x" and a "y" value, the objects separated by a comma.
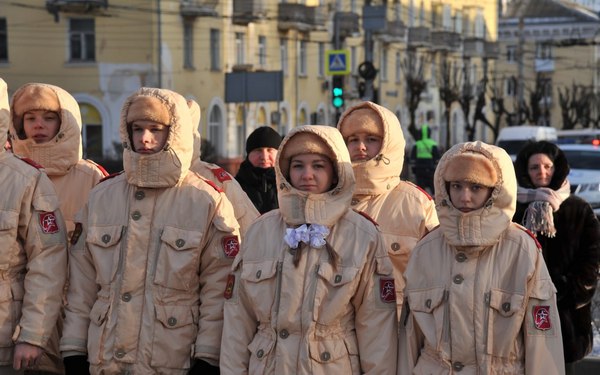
[
  {"x": 4, "y": 114},
  {"x": 299, "y": 207},
  {"x": 381, "y": 173},
  {"x": 169, "y": 166},
  {"x": 481, "y": 227},
  {"x": 62, "y": 152}
]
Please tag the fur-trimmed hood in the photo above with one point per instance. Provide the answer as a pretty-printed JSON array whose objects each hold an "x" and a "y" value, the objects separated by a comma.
[
  {"x": 381, "y": 173},
  {"x": 299, "y": 207},
  {"x": 167, "y": 167},
  {"x": 63, "y": 151},
  {"x": 481, "y": 227},
  {"x": 4, "y": 114}
]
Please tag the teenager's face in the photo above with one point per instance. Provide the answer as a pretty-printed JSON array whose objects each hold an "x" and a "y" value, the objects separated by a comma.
[
  {"x": 311, "y": 172},
  {"x": 148, "y": 137},
  {"x": 541, "y": 169},
  {"x": 263, "y": 157},
  {"x": 468, "y": 196},
  {"x": 40, "y": 125},
  {"x": 363, "y": 146}
]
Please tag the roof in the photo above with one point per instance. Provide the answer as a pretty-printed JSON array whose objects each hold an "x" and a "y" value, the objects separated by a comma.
[{"x": 550, "y": 9}]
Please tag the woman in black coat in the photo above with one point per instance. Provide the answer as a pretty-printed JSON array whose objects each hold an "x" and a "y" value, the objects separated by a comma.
[{"x": 569, "y": 233}]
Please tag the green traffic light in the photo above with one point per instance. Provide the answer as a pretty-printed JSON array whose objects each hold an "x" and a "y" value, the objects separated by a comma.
[
  {"x": 338, "y": 102},
  {"x": 338, "y": 91}
]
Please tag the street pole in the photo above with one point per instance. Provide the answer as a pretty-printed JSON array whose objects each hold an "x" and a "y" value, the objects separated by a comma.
[
  {"x": 159, "y": 65},
  {"x": 520, "y": 79}
]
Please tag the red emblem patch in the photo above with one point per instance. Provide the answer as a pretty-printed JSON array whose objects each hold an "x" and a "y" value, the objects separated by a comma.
[
  {"x": 387, "y": 290},
  {"x": 541, "y": 318},
  {"x": 231, "y": 246},
  {"x": 229, "y": 286},
  {"x": 221, "y": 174},
  {"x": 48, "y": 222}
]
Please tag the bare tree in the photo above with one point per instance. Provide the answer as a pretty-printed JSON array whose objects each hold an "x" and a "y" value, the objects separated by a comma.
[
  {"x": 465, "y": 99},
  {"x": 571, "y": 102},
  {"x": 413, "y": 68},
  {"x": 449, "y": 91}
]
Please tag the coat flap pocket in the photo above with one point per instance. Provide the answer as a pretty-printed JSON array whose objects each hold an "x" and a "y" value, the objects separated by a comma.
[
  {"x": 261, "y": 345},
  {"x": 506, "y": 303},
  {"x": 99, "y": 312},
  {"x": 105, "y": 236},
  {"x": 180, "y": 239},
  {"x": 339, "y": 276},
  {"x": 258, "y": 271},
  {"x": 543, "y": 290},
  {"x": 328, "y": 350},
  {"x": 9, "y": 220},
  {"x": 425, "y": 300},
  {"x": 176, "y": 316}
]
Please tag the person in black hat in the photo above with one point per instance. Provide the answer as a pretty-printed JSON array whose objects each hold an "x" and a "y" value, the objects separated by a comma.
[{"x": 257, "y": 174}]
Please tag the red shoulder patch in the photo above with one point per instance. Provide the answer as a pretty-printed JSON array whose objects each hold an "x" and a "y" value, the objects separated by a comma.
[
  {"x": 110, "y": 176},
  {"x": 387, "y": 290},
  {"x": 221, "y": 174},
  {"x": 421, "y": 189},
  {"x": 48, "y": 222},
  {"x": 101, "y": 168},
  {"x": 532, "y": 235},
  {"x": 31, "y": 162},
  {"x": 366, "y": 216},
  {"x": 231, "y": 246},
  {"x": 213, "y": 185}
]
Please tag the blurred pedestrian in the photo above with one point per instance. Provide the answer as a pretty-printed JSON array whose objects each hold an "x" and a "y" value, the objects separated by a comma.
[
  {"x": 244, "y": 209},
  {"x": 257, "y": 173},
  {"x": 569, "y": 233},
  {"x": 313, "y": 288},
  {"x": 425, "y": 155},
  {"x": 404, "y": 213},
  {"x": 33, "y": 258},
  {"x": 148, "y": 269},
  {"x": 479, "y": 299}
]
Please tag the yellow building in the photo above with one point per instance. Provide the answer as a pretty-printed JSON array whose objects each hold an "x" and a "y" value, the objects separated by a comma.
[{"x": 102, "y": 50}]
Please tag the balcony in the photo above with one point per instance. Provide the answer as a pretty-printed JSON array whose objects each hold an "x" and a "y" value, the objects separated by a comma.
[
  {"x": 197, "y": 8},
  {"x": 247, "y": 11},
  {"x": 491, "y": 50},
  {"x": 291, "y": 16},
  {"x": 473, "y": 47},
  {"x": 395, "y": 31},
  {"x": 445, "y": 41},
  {"x": 419, "y": 36},
  {"x": 74, "y": 6}
]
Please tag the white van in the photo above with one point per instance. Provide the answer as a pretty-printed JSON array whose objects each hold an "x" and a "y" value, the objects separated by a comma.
[{"x": 513, "y": 138}]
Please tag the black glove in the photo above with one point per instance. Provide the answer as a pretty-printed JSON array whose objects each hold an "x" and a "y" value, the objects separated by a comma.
[
  {"x": 76, "y": 365},
  {"x": 201, "y": 367}
]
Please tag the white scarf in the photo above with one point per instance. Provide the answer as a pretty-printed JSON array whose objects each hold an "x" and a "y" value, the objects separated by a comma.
[{"x": 543, "y": 202}]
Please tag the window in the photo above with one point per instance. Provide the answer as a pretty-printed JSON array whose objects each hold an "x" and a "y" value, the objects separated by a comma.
[
  {"x": 215, "y": 120},
  {"x": 398, "y": 68},
  {"x": 422, "y": 15},
  {"x": 239, "y": 48},
  {"x": 543, "y": 51},
  {"x": 82, "y": 39},
  {"x": 239, "y": 118},
  {"x": 511, "y": 86},
  {"x": 215, "y": 49},
  {"x": 262, "y": 51},
  {"x": 384, "y": 65},
  {"x": 321, "y": 63},
  {"x": 3, "y": 40},
  {"x": 447, "y": 17},
  {"x": 302, "y": 58},
  {"x": 188, "y": 44},
  {"x": 511, "y": 54},
  {"x": 283, "y": 51},
  {"x": 458, "y": 22},
  {"x": 91, "y": 131},
  {"x": 411, "y": 13},
  {"x": 479, "y": 24}
]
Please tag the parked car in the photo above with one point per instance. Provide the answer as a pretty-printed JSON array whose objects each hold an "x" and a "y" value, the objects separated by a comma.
[
  {"x": 584, "y": 177},
  {"x": 513, "y": 138}
]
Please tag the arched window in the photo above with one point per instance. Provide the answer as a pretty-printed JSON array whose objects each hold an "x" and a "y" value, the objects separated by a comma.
[
  {"x": 302, "y": 117},
  {"x": 91, "y": 132},
  {"x": 261, "y": 118}
]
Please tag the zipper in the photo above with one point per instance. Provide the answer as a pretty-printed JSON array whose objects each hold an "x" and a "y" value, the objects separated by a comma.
[
  {"x": 446, "y": 321},
  {"x": 486, "y": 298},
  {"x": 278, "y": 288},
  {"x": 313, "y": 292}
]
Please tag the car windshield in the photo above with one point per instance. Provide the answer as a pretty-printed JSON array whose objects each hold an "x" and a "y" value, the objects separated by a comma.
[
  {"x": 581, "y": 159},
  {"x": 512, "y": 147}
]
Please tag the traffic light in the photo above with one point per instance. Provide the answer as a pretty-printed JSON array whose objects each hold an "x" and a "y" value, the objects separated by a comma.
[{"x": 337, "y": 91}]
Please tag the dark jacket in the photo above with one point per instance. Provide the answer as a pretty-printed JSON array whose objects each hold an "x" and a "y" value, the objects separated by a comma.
[
  {"x": 260, "y": 185},
  {"x": 572, "y": 258}
]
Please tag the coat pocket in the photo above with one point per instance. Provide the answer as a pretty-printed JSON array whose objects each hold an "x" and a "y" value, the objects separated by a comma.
[
  {"x": 427, "y": 307},
  {"x": 505, "y": 317},
  {"x": 334, "y": 290},
  {"x": 331, "y": 356},
  {"x": 175, "y": 332},
  {"x": 104, "y": 243},
  {"x": 9, "y": 221},
  {"x": 97, "y": 331},
  {"x": 260, "y": 284},
  {"x": 178, "y": 261},
  {"x": 10, "y": 313},
  {"x": 261, "y": 357}
]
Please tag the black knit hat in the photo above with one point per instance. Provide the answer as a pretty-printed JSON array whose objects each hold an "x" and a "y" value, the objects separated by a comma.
[{"x": 264, "y": 136}]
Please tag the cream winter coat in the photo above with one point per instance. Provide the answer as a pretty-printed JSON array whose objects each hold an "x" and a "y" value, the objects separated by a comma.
[
  {"x": 147, "y": 274},
  {"x": 33, "y": 260},
  {"x": 403, "y": 211},
  {"x": 72, "y": 176},
  {"x": 479, "y": 294},
  {"x": 314, "y": 318}
]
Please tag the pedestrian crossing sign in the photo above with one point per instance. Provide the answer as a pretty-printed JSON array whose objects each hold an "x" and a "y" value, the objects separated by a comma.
[{"x": 337, "y": 62}]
